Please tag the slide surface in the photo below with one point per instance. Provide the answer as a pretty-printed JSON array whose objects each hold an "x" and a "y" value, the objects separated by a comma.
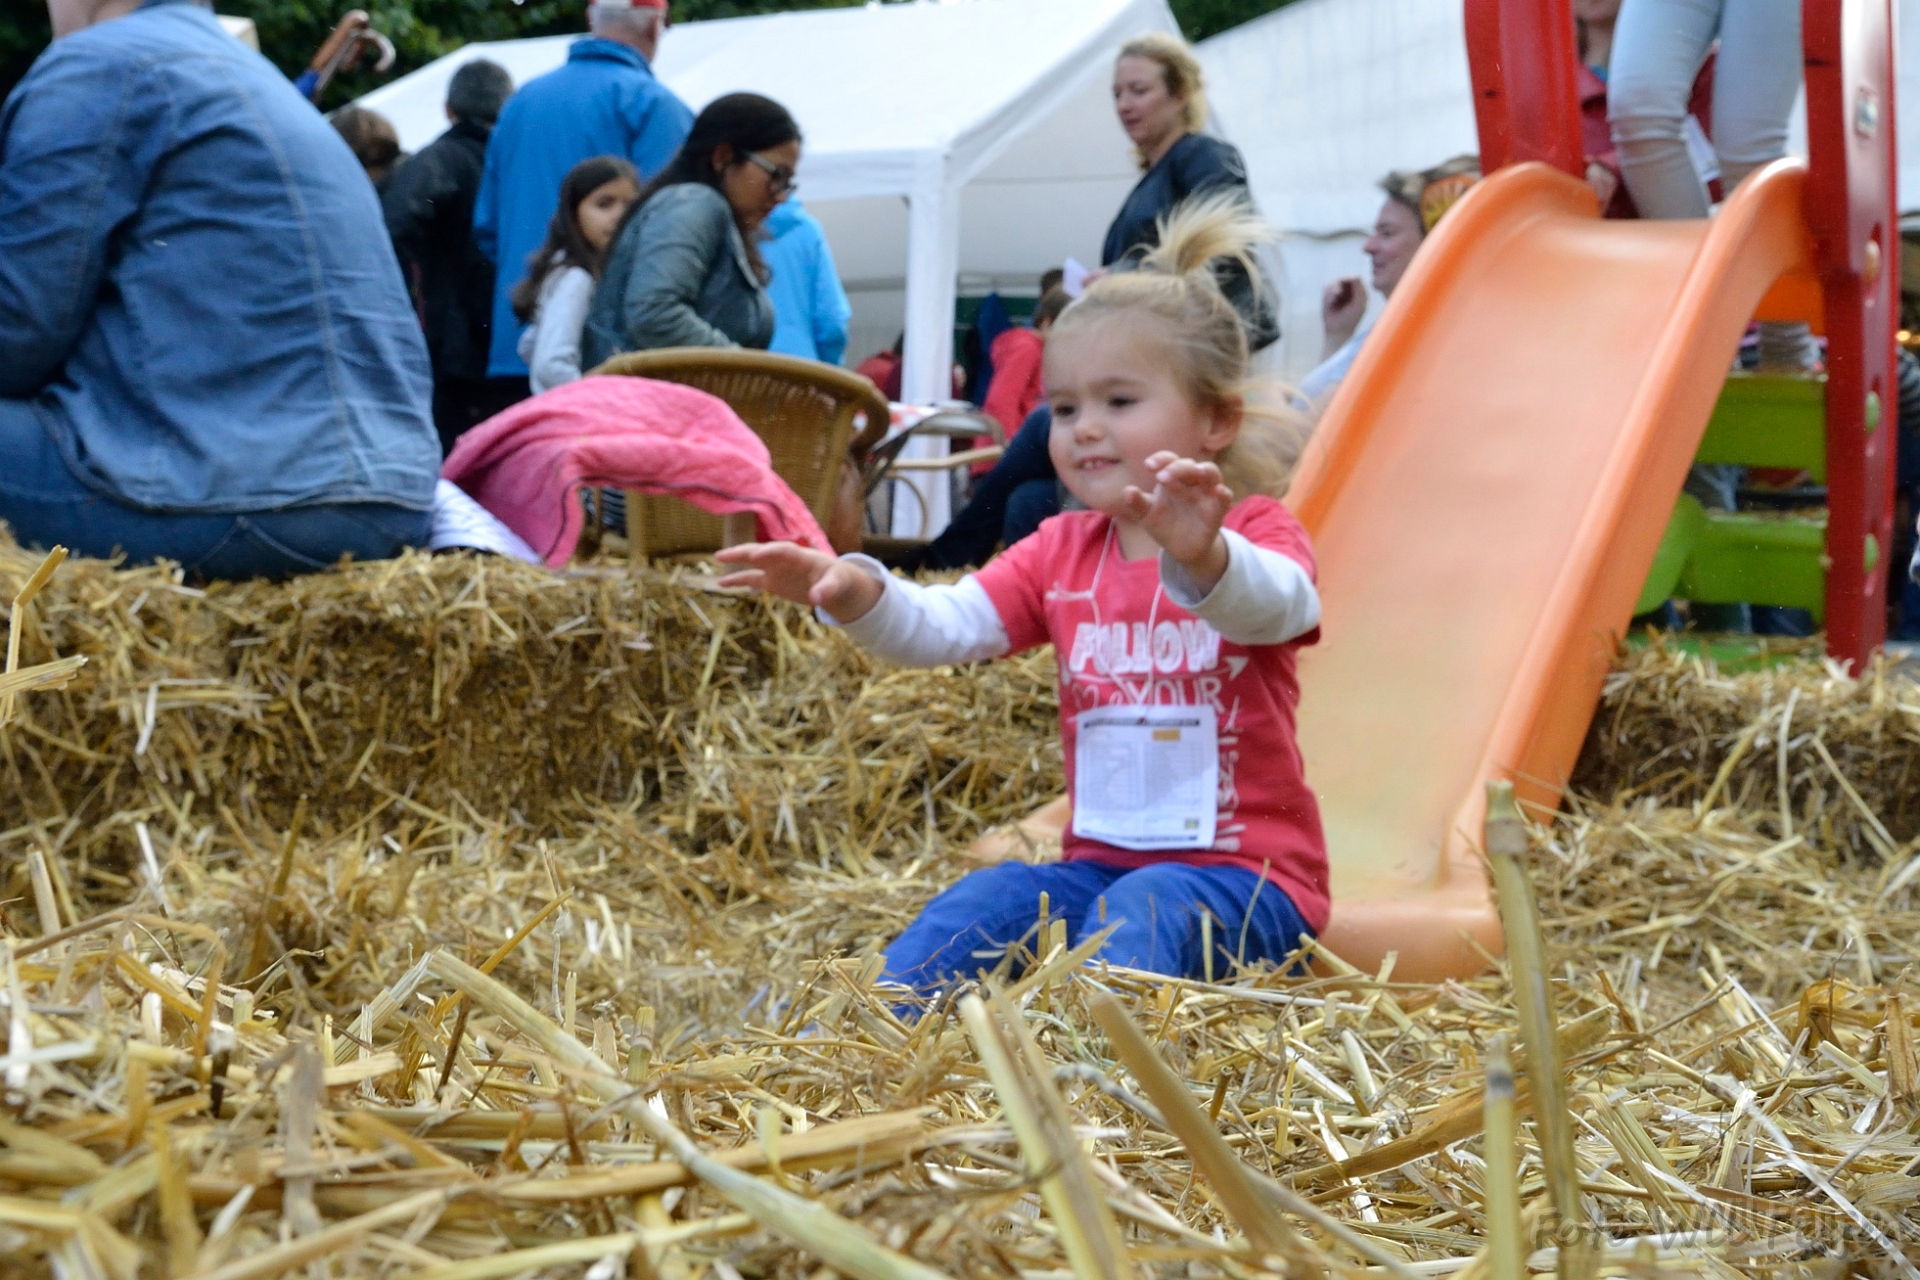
[{"x": 1485, "y": 494}]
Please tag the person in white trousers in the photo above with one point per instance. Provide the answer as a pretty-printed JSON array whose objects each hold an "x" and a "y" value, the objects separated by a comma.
[{"x": 1658, "y": 47}]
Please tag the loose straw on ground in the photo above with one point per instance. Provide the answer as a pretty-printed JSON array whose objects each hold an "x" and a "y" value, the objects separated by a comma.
[
  {"x": 1505, "y": 1249},
  {"x": 739, "y": 810},
  {"x": 1507, "y": 845},
  {"x": 838, "y": 1243},
  {"x": 21, "y": 599}
]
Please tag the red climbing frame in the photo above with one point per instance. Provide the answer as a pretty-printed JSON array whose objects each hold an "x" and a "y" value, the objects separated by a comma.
[
  {"x": 1527, "y": 109},
  {"x": 1525, "y": 101},
  {"x": 1852, "y": 213}
]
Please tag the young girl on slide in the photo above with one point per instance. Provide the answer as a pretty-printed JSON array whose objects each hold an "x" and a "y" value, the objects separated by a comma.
[{"x": 1175, "y": 604}]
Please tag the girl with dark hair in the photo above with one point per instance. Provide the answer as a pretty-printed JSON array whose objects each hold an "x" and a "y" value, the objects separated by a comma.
[
  {"x": 552, "y": 300},
  {"x": 684, "y": 271}
]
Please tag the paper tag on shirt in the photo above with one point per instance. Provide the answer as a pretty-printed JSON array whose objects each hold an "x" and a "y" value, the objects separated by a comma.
[{"x": 1146, "y": 777}]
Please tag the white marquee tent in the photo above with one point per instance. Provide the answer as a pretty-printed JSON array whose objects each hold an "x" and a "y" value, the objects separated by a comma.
[
  {"x": 1325, "y": 96},
  {"x": 968, "y": 143}
]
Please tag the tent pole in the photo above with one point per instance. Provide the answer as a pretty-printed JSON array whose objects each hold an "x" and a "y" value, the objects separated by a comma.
[{"x": 933, "y": 263}]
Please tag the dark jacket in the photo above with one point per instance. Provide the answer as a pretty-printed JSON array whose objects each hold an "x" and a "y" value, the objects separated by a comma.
[
  {"x": 1193, "y": 165},
  {"x": 429, "y": 211},
  {"x": 197, "y": 296},
  {"x": 679, "y": 276}
]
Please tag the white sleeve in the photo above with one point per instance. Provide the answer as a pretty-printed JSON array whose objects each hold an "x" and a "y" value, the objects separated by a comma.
[
  {"x": 556, "y": 330},
  {"x": 1263, "y": 598},
  {"x": 926, "y": 626}
]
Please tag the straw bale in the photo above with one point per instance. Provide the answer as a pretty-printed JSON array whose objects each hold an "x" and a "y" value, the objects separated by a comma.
[
  {"x": 474, "y": 683},
  {"x": 1670, "y": 726},
  {"x": 676, "y": 840}
]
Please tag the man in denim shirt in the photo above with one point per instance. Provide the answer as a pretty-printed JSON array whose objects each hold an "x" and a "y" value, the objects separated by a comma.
[{"x": 206, "y": 351}]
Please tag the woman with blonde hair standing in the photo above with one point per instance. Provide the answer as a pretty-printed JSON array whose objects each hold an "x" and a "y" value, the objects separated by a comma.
[{"x": 1159, "y": 95}]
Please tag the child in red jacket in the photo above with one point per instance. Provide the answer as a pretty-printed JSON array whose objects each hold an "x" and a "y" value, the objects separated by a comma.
[{"x": 1017, "y": 386}]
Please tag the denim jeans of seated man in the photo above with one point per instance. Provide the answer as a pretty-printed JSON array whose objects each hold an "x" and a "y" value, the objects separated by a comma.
[{"x": 44, "y": 504}]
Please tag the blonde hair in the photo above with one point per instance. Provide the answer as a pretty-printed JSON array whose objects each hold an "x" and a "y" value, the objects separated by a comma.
[
  {"x": 1176, "y": 288},
  {"x": 1181, "y": 71}
]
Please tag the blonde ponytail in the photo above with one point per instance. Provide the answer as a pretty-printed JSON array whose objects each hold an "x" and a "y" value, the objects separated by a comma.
[
  {"x": 1205, "y": 231},
  {"x": 1177, "y": 286}
]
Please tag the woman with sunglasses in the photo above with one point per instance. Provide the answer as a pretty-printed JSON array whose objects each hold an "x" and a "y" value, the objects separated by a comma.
[{"x": 685, "y": 270}]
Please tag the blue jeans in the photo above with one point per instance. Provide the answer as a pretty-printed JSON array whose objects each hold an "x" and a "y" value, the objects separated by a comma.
[
  {"x": 1158, "y": 910},
  {"x": 44, "y": 503},
  {"x": 1008, "y": 502}
]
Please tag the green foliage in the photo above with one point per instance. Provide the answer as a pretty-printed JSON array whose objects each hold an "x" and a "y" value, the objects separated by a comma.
[
  {"x": 1202, "y": 18},
  {"x": 422, "y": 30},
  {"x": 24, "y": 32}
]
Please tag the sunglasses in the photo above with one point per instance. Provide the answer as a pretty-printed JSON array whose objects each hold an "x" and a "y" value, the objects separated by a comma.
[{"x": 779, "y": 176}]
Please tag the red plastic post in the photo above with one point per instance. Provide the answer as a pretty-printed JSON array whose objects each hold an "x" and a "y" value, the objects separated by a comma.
[
  {"x": 1523, "y": 63},
  {"x": 1851, "y": 211}
]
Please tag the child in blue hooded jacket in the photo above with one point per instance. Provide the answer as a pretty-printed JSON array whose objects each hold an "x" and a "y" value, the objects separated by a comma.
[{"x": 810, "y": 309}]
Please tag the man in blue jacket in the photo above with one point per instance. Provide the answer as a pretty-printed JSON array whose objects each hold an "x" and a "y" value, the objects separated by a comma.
[
  {"x": 604, "y": 101},
  {"x": 810, "y": 308},
  {"x": 206, "y": 351}
]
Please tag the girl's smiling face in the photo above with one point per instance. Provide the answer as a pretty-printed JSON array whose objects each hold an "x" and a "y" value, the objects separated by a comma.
[{"x": 1117, "y": 401}]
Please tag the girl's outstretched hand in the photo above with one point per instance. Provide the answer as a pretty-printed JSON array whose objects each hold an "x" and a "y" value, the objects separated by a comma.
[
  {"x": 803, "y": 576},
  {"x": 1184, "y": 512}
]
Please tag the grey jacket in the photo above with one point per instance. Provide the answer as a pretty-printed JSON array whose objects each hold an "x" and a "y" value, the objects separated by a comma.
[{"x": 678, "y": 276}]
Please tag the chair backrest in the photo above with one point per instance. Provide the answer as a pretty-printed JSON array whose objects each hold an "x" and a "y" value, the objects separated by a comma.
[{"x": 804, "y": 410}]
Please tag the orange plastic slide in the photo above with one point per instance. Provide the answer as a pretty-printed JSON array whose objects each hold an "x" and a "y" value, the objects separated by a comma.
[{"x": 1485, "y": 494}]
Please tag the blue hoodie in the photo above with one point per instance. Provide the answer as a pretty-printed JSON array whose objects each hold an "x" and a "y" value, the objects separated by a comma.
[{"x": 810, "y": 308}]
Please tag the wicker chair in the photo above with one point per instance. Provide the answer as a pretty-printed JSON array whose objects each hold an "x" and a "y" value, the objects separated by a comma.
[{"x": 804, "y": 410}]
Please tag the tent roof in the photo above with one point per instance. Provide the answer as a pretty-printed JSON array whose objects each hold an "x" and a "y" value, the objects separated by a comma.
[
  {"x": 1327, "y": 95},
  {"x": 886, "y": 95}
]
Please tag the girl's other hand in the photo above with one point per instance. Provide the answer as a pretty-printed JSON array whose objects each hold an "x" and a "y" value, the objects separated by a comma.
[
  {"x": 804, "y": 576},
  {"x": 1184, "y": 512}
]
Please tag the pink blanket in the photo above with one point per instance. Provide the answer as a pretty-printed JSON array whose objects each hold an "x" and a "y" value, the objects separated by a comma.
[{"x": 526, "y": 464}]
